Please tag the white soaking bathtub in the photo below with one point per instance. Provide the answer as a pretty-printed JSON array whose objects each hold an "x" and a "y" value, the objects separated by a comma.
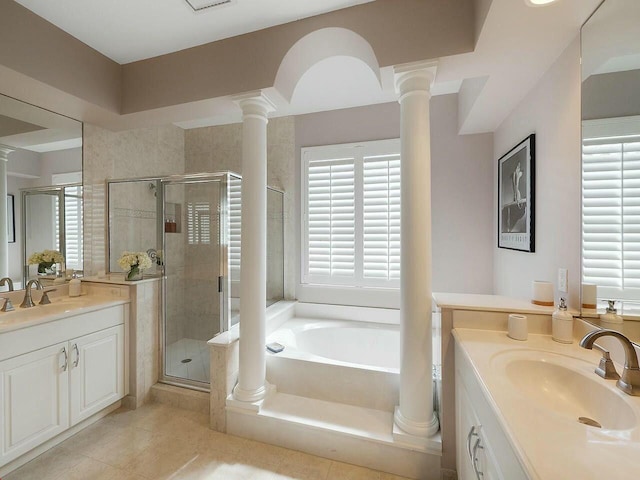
[{"x": 336, "y": 359}]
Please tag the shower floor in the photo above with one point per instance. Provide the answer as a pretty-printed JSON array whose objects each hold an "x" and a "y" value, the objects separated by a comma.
[{"x": 188, "y": 358}]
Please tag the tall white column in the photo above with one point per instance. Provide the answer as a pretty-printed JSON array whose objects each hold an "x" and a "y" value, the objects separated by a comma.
[
  {"x": 252, "y": 385},
  {"x": 4, "y": 239},
  {"x": 415, "y": 415}
]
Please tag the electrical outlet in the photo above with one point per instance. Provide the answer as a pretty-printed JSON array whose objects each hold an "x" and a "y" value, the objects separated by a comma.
[{"x": 562, "y": 280}]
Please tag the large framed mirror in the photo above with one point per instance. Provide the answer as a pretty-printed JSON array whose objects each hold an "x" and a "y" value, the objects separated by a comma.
[
  {"x": 43, "y": 153},
  {"x": 611, "y": 164}
]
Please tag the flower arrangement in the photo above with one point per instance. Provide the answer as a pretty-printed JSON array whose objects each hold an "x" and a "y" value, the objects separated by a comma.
[
  {"x": 45, "y": 259},
  {"x": 134, "y": 263}
]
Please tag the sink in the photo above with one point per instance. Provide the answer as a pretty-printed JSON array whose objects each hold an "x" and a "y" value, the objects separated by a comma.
[{"x": 566, "y": 386}]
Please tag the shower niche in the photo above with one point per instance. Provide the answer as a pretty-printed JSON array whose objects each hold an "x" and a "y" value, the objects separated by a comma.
[{"x": 191, "y": 226}]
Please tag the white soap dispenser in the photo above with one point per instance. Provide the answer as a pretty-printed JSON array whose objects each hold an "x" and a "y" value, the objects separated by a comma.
[
  {"x": 562, "y": 324},
  {"x": 75, "y": 288},
  {"x": 612, "y": 314}
]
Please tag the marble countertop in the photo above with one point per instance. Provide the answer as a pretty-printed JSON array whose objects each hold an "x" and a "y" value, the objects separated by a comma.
[
  {"x": 491, "y": 303},
  {"x": 60, "y": 307},
  {"x": 118, "y": 279},
  {"x": 550, "y": 445}
]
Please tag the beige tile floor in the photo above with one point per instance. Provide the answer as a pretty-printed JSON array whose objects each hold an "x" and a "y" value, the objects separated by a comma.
[{"x": 161, "y": 442}]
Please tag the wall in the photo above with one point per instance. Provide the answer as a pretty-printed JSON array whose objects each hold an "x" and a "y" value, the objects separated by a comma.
[
  {"x": 214, "y": 149},
  {"x": 551, "y": 111},
  {"x": 462, "y": 186},
  {"x": 611, "y": 95},
  {"x": 60, "y": 161},
  {"x": 129, "y": 154}
]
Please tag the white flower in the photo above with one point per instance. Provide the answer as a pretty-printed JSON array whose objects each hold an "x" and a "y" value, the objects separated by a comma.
[
  {"x": 47, "y": 256},
  {"x": 128, "y": 260}
]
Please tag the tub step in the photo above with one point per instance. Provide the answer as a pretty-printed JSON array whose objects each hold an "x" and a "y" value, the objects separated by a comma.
[{"x": 345, "y": 433}]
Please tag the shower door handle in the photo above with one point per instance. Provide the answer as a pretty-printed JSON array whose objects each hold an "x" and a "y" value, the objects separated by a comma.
[{"x": 220, "y": 284}]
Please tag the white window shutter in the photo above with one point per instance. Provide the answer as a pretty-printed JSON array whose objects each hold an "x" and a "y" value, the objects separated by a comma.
[
  {"x": 381, "y": 217},
  {"x": 235, "y": 217},
  {"x": 351, "y": 214},
  {"x": 331, "y": 219}
]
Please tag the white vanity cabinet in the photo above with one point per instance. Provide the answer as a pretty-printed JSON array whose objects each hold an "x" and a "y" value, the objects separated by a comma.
[
  {"x": 483, "y": 451},
  {"x": 55, "y": 386},
  {"x": 34, "y": 398}
]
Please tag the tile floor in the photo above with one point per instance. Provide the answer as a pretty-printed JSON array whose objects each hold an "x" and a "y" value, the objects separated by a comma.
[
  {"x": 184, "y": 349},
  {"x": 161, "y": 442}
]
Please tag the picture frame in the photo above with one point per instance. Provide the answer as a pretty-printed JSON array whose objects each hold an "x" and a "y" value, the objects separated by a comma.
[
  {"x": 516, "y": 197},
  {"x": 11, "y": 219}
]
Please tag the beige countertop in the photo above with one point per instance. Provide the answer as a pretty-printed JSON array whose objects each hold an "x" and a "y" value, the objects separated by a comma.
[
  {"x": 490, "y": 303},
  {"x": 553, "y": 446}
]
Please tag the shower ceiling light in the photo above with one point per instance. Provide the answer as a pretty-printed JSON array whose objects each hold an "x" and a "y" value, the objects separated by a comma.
[
  {"x": 198, "y": 5},
  {"x": 538, "y": 3}
]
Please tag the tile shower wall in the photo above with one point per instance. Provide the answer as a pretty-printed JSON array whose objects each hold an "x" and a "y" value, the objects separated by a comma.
[
  {"x": 128, "y": 154},
  {"x": 212, "y": 149}
]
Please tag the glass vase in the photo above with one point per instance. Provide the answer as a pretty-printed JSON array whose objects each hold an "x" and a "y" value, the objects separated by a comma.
[{"x": 134, "y": 274}]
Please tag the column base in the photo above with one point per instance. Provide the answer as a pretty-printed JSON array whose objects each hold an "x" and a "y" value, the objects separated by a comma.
[
  {"x": 250, "y": 400},
  {"x": 408, "y": 428}
]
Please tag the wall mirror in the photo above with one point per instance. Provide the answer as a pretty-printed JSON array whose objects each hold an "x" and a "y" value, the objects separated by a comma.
[
  {"x": 44, "y": 162},
  {"x": 611, "y": 164}
]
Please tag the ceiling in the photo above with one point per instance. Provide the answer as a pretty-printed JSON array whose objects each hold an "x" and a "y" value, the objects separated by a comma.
[
  {"x": 131, "y": 30},
  {"x": 515, "y": 47}
]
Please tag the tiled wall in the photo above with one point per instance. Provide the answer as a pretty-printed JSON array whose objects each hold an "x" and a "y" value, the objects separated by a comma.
[
  {"x": 213, "y": 149},
  {"x": 112, "y": 155}
]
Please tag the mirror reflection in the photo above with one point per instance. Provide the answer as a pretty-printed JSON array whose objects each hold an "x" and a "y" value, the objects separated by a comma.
[
  {"x": 40, "y": 190},
  {"x": 611, "y": 166}
]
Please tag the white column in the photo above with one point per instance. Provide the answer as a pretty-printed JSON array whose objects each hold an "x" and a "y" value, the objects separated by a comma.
[
  {"x": 415, "y": 415},
  {"x": 4, "y": 245},
  {"x": 252, "y": 385}
]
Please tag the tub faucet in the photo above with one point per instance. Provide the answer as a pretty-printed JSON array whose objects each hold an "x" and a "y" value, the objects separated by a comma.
[
  {"x": 28, "y": 302},
  {"x": 629, "y": 383},
  {"x": 7, "y": 281}
]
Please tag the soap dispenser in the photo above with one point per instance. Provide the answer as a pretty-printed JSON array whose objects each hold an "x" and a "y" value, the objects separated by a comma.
[
  {"x": 75, "y": 289},
  {"x": 562, "y": 324},
  {"x": 612, "y": 314}
]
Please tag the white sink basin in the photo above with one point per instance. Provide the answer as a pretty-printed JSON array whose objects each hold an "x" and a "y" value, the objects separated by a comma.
[{"x": 566, "y": 386}]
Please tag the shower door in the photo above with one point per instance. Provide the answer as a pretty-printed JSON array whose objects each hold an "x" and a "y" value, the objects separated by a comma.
[{"x": 193, "y": 256}]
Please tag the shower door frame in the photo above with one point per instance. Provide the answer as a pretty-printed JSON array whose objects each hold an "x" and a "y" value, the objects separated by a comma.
[{"x": 224, "y": 284}]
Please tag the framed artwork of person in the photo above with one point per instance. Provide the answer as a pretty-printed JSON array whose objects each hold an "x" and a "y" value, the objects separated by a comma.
[{"x": 516, "y": 197}]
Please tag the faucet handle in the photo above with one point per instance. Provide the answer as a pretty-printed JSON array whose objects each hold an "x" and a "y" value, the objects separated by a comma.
[
  {"x": 8, "y": 306},
  {"x": 606, "y": 369},
  {"x": 44, "y": 300}
]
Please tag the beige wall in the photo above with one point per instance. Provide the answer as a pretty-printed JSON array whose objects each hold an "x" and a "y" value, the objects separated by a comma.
[
  {"x": 129, "y": 154},
  {"x": 611, "y": 95},
  {"x": 552, "y": 112}
]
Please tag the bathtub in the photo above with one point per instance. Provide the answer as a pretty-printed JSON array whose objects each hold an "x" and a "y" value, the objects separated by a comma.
[{"x": 332, "y": 353}]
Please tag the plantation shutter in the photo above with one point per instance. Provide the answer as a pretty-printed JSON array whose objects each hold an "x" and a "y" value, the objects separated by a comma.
[
  {"x": 331, "y": 219},
  {"x": 235, "y": 193},
  {"x": 611, "y": 217},
  {"x": 351, "y": 214},
  {"x": 73, "y": 227},
  {"x": 381, "y": 217},
  {"x": 199, "y": 223}
]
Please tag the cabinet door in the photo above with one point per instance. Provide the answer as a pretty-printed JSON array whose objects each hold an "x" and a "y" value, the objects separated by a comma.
[
  {"x": 467, "y": 433},
  {"x": 96, "y": 364},
  {"x": 34, "y": 399}
]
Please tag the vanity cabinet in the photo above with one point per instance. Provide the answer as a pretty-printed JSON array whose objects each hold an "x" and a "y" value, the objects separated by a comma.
[
  {"x": 46, "y": 391},
  {"x": 483, "y": 451},
  {"x": 34, "y": 399},
  {"x": 96, "y": 370}
]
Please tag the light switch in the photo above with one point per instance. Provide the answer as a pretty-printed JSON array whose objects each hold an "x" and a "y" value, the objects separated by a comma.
[{"x": 562, "y": 280}]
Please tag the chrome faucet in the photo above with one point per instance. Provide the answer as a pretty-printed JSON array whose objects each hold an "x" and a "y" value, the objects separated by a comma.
[
  {"x": 629, "y": 383},
  {"x": 7, "y": 281},
  {"x": 27, "y": 302}
]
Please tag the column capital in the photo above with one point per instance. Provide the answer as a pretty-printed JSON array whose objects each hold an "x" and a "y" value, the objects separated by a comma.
[
  {"x": 415, "y": 78},
  {"x": 254, "y": 104},
  {"x": 5, "y": 150}
]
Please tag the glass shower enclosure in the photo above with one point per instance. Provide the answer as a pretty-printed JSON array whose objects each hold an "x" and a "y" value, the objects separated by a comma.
[{"x": 195, "y": 240}]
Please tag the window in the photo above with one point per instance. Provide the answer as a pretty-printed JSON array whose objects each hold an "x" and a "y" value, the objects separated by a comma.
[
  {"x": 73, "y": 218},
  {"x": 611, "y": 209},
  {"x": 351, "y": 214}
]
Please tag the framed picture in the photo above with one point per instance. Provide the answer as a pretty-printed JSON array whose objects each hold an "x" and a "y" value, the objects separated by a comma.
[
  {"x": 11, "y": 220},
  {"x": 516, "y": 197}
]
